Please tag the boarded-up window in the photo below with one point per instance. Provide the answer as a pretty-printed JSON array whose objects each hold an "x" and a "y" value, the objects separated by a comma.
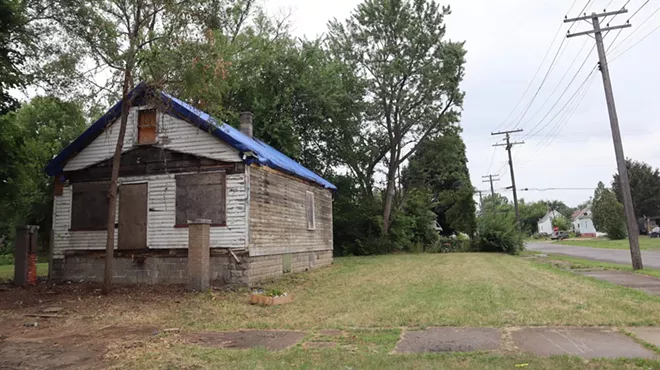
[
  {"x": 309, "y": 207},
  {"x": 89, "y": 208},
  {"x": 147, "y": 126},
  {"x": 201, "y": 196}
]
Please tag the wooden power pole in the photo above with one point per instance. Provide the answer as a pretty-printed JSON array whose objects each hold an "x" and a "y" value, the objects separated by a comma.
[
  {"x": 489, "y": 178},
  {"x": 508, "y": 145},
  {"x": 631, "y": 222}
]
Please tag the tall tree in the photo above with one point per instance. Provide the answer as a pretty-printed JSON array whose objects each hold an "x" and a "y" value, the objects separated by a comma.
[
  {"x": 440, "y": 165},
  {"x": 30, "y": 137},
  {"x": 607, "y": 213},
  {"x": 115, "y": 34},
  {"x": 412, "y": 76},
  {"x": 530, "y": 214},
  {"x": 304, "y": 101},
  {"x": 644, "y": 187}
]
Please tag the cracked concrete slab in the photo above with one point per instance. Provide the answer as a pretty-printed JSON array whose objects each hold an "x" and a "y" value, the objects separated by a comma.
[
  {"x": 450, "y": 340},
  {"x": 644, "y": 283},
  {"x": 583, "y": 342},
  {"x": 270, "y": 339}
]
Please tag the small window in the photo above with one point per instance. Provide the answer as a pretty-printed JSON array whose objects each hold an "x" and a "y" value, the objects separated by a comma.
[
  {"x": 147, "y": 126},
  {"x": 309, "y": 207},
  {"x": 201, "y": 196},
  {"x": 89, "y": 206}
]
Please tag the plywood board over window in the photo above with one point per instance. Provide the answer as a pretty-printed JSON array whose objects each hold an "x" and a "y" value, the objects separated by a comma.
[
  {"x": 309, "y": 208},
  {"x": 147, "y": 126},
  {"x": 201, "y": 196},
  {"x": 89, "y": 208}
]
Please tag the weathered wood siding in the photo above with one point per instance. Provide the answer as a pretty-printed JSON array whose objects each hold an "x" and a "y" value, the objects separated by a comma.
[
  {"x": 173, "y": 133},
  {"x": 161, "y": 232},
  {"x": 277, "y": 215}
]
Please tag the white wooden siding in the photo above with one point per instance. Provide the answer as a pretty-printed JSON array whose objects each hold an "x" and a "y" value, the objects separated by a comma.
[
  {"x": 173, "y": 133},
  {"x": 161, "y": 232}
]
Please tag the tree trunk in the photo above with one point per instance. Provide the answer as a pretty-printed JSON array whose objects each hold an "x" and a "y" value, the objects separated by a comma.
[
  {"x": 112, "y": 193},
  {"x": 389, "y": 192}
]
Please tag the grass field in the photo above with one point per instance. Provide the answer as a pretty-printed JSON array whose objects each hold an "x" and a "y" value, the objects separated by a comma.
[
  {"x": 406, "y": 290},
  {"x": 7, "y": 271},
  {"x": 370, "y": 299},
  {"x": 370, "y": 355},
  {"x": 645, "y": 243},
  {"x": 415, "y": 291}
]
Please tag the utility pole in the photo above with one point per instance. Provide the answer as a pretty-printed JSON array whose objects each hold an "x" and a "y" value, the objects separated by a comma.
[
  {"x": 631, "y": 222},
  {"x": 491, "y": 179},
  {"x": 508, "y": 146},
  {"x": 481, "y": 201},
  {"x": 492, "y": 189}
]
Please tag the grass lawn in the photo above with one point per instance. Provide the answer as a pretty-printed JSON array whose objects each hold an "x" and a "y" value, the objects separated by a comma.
[
  {"x": 404, "y": 290},
  {"x": 7, "y": 271},
  {"x": 373, "y": 352},
  {"x": 370, "y": 299},
  {"x": 645, "y": 243},
  {"x": 411, "y": 290}
]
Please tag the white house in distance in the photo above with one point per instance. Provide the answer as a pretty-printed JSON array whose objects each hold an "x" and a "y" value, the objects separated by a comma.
[
  {"x": 582, "y": 222},
  {"x": 545, "y": 223}
]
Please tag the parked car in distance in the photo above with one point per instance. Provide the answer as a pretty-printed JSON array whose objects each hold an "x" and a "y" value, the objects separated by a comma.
[
  {"x": 655, "y": 232},
  {"x": 559, "y": 235}
]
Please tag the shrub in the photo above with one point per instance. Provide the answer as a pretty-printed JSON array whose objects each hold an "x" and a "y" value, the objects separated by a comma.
[
  {"x": 498, "y": 233},
  {"x": 450, "y": 245},
  {"x": 6, "y": 259}
]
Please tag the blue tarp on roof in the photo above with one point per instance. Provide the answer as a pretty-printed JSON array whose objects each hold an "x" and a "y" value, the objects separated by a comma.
[{"x": 252, "y": 150}]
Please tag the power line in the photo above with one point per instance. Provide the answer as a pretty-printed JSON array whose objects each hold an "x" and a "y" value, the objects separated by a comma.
[
  {"x": 538, "y": 69},
  {"x": 567, "y": 114},
  {"x": 637, "y": 29},
  {"x": 637, "y": 11},
  {"x": 562, "y": 94},
  {"x": 563, "y": 77},
  {"x": 635, "y": 44}
]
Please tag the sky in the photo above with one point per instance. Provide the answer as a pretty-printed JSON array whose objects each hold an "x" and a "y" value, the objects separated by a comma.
[{"x": 566, "y": 130}]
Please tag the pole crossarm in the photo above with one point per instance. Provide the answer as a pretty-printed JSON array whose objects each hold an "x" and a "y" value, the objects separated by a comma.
[
  {"x": 603, "y": 29},
  {"x": 590, "y": 16}
]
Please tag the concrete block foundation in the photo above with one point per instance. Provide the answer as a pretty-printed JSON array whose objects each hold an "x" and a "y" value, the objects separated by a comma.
[{"x": 170, "y": 266}]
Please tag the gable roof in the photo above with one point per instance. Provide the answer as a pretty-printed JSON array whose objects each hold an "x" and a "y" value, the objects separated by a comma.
[
  {"x": 251, "y": 150},
  {"x": 550, "y": 214}
]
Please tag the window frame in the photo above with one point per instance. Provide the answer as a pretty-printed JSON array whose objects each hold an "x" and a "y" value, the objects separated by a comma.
[
  {"x": 224, "y": 195},
  {"x": 313, "y": 210},
  {"x": 99, "y": 227},
  {"x": 136, "y": 136}
]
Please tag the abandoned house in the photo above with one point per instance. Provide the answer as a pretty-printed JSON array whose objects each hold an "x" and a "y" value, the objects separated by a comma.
[{"x": 268, "y": 214}]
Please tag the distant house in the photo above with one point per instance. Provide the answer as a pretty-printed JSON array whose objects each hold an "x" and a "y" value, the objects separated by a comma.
[
  {"x": 269, "y": 215},
  {"x": 582, "y": 222},
  {"x": 545, "y": 223}
]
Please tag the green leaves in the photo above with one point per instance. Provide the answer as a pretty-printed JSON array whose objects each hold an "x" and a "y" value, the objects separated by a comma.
[
  {"x": 29, "y": 138},
  {"x": 440, "y": 165},
  {"x": 608, "y": 215},
  {"x": 644, "y": 188},
  {"x": 412, "y": 79}
]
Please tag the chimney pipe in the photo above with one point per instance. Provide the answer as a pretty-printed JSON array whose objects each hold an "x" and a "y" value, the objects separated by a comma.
[{"x": 245, "y": 118}]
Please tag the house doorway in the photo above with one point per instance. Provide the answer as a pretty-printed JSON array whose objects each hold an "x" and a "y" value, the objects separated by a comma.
[{"x": 132, "y": 216}]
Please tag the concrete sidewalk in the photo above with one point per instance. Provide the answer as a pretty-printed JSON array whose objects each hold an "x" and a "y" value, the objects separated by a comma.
[
  {"x": 587, "y": 343},
  {"x": 648, "y": 284},
  {"x": 650, "y": 258}
]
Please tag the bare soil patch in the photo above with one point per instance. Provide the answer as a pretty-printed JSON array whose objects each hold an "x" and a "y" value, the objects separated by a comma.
[{"x": 243, "y": 339}]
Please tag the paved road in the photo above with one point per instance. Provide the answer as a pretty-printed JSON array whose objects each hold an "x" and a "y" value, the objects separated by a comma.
[{"x": 649, "y": 258}]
